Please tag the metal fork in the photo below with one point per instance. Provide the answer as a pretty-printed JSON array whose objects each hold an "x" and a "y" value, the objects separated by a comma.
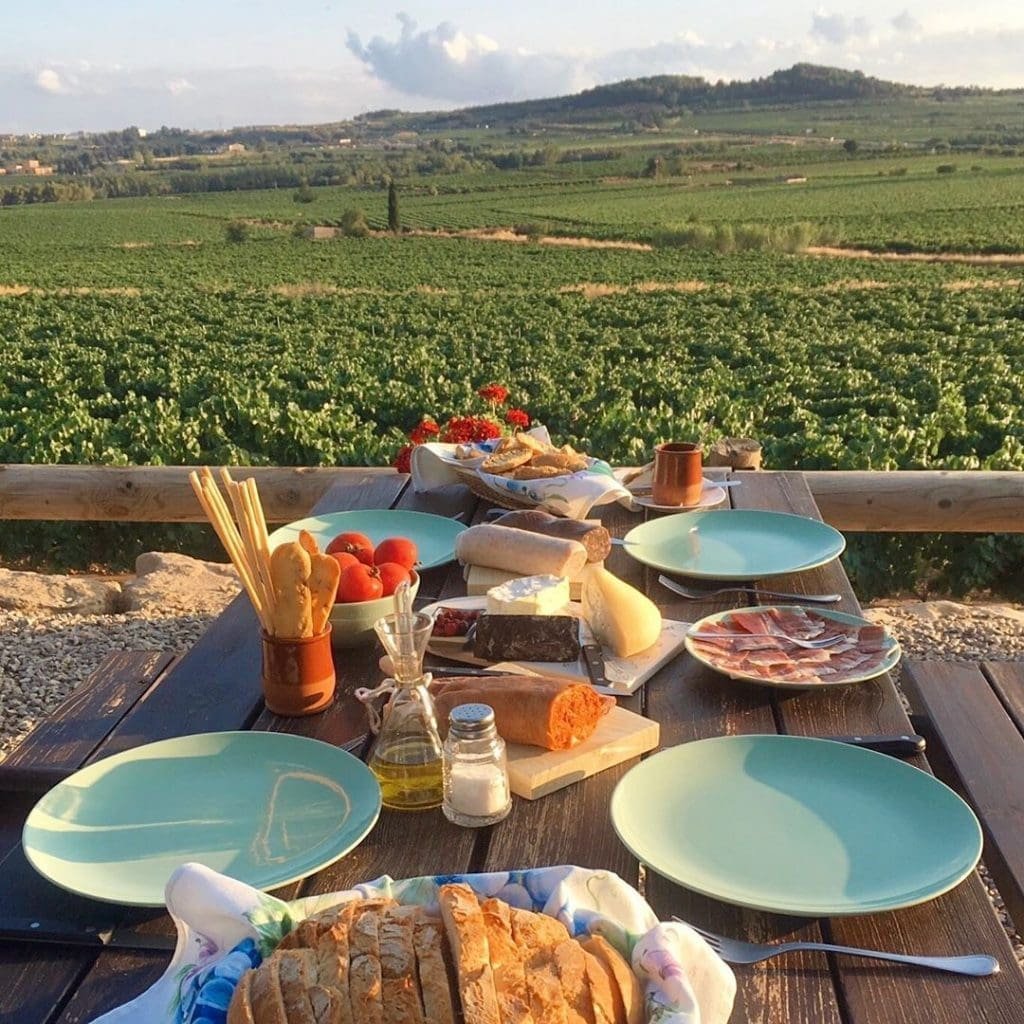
[
  {"x": 811, "y": 645},
  {"x": 734, "y": 951},
  {"x": 696, "y": 595}
]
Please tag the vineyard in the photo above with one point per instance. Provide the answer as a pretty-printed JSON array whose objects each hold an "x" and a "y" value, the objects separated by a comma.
[{"x": 132, "y": 327}]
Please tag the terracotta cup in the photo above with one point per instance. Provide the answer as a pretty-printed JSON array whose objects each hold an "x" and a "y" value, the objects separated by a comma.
[
  {"x": 298, "y": 674},
  {"x": 678, "y": 475}
]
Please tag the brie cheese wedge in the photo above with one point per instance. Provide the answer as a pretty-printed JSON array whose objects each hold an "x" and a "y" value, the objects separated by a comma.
[{"x": 529, "y": 595}]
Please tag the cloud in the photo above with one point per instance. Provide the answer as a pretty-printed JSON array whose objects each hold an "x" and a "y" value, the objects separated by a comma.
[
  {"x": 49, "y": 81},
  {"x": 445, "y": 63},
  {"x": 905, "y": 22},
  {"x": 837, "y": 28},
  {"x": 177, "y": 86}
]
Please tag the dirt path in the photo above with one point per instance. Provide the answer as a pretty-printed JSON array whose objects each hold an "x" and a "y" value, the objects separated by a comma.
[{"x": 980, "y": 259}]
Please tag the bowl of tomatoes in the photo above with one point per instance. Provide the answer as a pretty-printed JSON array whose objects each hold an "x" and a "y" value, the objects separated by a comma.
[{"x": 370, "y": 575}]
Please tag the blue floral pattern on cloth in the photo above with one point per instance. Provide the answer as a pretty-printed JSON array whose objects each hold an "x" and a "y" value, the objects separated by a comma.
[{"x": 227, "y": 927}]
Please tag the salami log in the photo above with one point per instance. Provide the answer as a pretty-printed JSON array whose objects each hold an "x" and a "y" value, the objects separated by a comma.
[
  {"x": 594, "y": 537},
  {"x": 519, "y": 551},
  {"x": 556, "y": 714}
]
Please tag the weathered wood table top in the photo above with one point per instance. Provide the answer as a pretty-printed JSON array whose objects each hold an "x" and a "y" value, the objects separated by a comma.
[{"x": 217, "y": 686}]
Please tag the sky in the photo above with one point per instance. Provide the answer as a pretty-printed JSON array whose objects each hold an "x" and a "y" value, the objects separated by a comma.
[{"x": 94, "y": 65}]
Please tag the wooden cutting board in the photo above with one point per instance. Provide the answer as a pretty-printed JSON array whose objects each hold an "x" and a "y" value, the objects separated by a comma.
[{"x": 535, "y": 772}]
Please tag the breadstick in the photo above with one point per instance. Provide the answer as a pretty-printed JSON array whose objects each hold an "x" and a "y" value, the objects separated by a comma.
[
  {"x": 308, "y": 542},
  {"x": 323, "y": 587},
  {"x": 247, "y": 532},
  {"x": 289, "y": 570},
  {"x": 216, "y": 512}
]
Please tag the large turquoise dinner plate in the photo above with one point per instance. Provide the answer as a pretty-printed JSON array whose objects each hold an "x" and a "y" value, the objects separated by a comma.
[
  {"x": 796, "y": 826},
  {"x": 734, "y": 544},
  {"x": 265, "y": 808},
  {"x": 434, "y": 536}
]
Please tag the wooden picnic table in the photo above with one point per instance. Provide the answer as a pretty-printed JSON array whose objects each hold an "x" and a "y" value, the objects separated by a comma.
[{"x": 216, "y": 686}]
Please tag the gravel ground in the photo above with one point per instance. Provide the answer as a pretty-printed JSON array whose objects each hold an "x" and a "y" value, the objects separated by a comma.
[{"x": 43, "y": 660}]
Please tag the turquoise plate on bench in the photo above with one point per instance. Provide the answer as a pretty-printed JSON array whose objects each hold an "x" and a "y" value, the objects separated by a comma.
[
  {"x": 796, "y": 826},
  {"x": 734, "y": 544},
  {"x": 434, "y": 536},
  {"x": 265, "y": 808}
]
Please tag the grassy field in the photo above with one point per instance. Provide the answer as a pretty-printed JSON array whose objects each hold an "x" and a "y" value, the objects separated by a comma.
[{"x": 131, "y": 327}]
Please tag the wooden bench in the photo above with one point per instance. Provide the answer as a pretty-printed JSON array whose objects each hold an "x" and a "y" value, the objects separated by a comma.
[{"x": 973, "y": 718}]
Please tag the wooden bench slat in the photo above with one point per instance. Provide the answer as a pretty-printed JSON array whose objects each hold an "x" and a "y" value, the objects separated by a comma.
[
  {"x": 984, "y": 745},
  {"x": 1007, "y": 679}
]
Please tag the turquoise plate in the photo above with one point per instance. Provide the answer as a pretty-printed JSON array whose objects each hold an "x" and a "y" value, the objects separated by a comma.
[
  {"x": 265, "y": 808},
  {"x": 891, "y": 660},
  {"x": 734, "y": 544},
  {"x": 796, "y": 826},
  {"x": 434, "y": 536}
]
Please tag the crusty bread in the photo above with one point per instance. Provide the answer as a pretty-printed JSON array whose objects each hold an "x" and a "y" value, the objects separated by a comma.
[
  {"x": 601, "y": 982},
  {"x": 537, "y": 935},
  {"x": 374, "y": 962},
  {"x": 572, "y": 973},
  {"x": 434, "y": 961},
  {"x": 507, "y": 964},
  {"x": 626, "y": 986},
  {"x": 464, "y": 923},
  {"x": 400, "y": 983},
  {"x": 240, "y": 1010},
  {"x": 364, "y": 977}
]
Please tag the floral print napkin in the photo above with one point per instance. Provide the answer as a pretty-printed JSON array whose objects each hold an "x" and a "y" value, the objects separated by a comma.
[{"x": 225, "y": 927}]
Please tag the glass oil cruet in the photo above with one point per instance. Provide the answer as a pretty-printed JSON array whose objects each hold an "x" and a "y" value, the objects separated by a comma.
[{"x": 408, "y": 756}]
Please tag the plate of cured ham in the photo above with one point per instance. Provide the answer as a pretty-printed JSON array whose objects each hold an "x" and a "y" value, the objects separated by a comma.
[{"x": 757, "y": 645}]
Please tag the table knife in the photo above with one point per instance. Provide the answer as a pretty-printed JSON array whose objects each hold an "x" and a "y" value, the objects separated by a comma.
[
  {"x": 593, "y": 659},
  {"x": 904, "y": 745},
  {"x": 28, "y": 929}
]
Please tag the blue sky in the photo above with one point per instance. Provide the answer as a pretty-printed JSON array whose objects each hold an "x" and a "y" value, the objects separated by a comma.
[{"x": 67, "y": 65}]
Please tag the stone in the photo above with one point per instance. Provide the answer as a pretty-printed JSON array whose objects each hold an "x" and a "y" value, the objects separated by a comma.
[
  {"x": 35, "y": 593},
  {"x": 168, "y": 582}
]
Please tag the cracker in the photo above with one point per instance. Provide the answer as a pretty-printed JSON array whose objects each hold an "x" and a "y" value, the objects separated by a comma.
[
  {"x": 535, "y": 472},
  {"x": 532, "y": 443},
  {"x": 503, "y": 462},
  {"x": 562, "y": 461}
]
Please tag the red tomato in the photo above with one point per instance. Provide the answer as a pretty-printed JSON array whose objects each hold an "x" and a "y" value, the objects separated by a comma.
[
  {"x": 359, "y": 583},
  {"x": 345, "y": 559},
  {"x": 391, "y": 574},
  {"x": 400, "y": 550},
  {"x": 357, "y": 544}
]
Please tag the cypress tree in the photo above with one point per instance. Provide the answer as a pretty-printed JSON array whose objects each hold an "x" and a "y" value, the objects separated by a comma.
[{"x": 394, "y": 223}]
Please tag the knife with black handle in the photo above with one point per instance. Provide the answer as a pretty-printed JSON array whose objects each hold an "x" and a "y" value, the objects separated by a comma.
[
  {"x": 41, "y": 930},
  {"x": 593, "y": 659},
  {"x": 908, "y": 745}
]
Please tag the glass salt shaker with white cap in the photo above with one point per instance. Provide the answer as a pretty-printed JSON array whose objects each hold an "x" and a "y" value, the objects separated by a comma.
[{"x": 476, "y": 786}]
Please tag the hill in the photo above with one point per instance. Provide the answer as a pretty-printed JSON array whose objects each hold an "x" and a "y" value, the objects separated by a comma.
[{"x": 671, "y": 95}]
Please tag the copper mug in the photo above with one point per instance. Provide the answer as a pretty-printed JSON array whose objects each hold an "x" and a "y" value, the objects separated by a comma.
[
  {"x": 298, "y": 673},
  {"x": 678, "y": 473}
]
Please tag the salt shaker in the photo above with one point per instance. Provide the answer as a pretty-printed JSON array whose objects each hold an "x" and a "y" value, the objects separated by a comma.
[{"x": 476, "y": 789}]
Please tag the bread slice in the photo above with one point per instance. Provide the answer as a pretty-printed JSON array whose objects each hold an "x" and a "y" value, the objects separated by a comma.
[
  {"x": 630, "y": 1000},
  {"x": 433, "y": 961},
  {"x": 507, "y": 964},
  {"x": 296, "y": 973},
  {"x": 240, "y": 1009},
  {"x": 464, "y": 923},
  {"x": 400, "y": 983},
  {"x": 537, "y": 935},
  {"x": 265, "y": 993},
  {"x": 572, "y": 972},
  {"x": 327, "y": 1004},
  {"x": 364, "y": 975},
  {"x": 601, "y": 980}
]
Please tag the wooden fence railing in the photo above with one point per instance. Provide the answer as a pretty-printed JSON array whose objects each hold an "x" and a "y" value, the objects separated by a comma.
[{"x": 903, "y": 501}]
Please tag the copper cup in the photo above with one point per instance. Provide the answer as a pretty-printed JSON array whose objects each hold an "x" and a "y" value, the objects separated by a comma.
[
  {"x": 298, "y": 673},
  {"x": 678, "y": 473}
]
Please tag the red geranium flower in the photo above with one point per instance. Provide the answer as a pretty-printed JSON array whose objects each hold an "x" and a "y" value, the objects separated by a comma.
[
  {"x": 464, "y": 429},
  {"x": 403, "y": 461},
  {"x": 518, "y": 418},
  {"x": 423, "y": 430},
  {"x": 494, "y": 393}
]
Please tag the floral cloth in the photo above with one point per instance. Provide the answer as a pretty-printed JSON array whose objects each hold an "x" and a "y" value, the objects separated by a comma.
[
  {"x": 225, "y": 927},
  {"x": 572, "y": 495}
]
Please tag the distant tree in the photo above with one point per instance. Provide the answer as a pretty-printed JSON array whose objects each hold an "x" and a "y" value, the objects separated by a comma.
[
  {"x": 850, "y": 145},
  {"x": 394, "y": 221},
  {"x": 236, "y": 231},
  {"x": 304, "y": 194},
  {"x": 946, "y": 169},
  {"x": 353, "y": 223}
]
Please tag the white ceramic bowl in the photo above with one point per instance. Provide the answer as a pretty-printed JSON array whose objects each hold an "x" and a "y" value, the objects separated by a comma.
[{"x": 352, "y": 622}]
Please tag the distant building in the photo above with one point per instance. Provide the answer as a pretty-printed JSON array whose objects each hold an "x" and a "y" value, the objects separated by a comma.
[
  {"x": 235, "y": 147},
  {"x": 319, "y": 231},
  {"x": 41, "y": 170},
  {"x": 794, "y": 181},
  {"x": 31, "y": 165}
]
